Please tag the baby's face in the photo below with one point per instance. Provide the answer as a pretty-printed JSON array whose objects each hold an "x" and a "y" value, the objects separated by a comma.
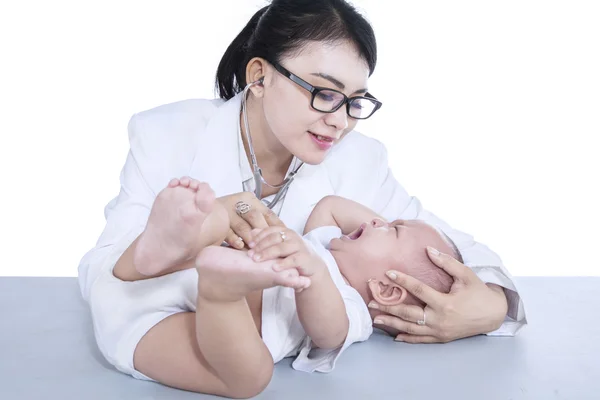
[{"x": 378, "y": 246}]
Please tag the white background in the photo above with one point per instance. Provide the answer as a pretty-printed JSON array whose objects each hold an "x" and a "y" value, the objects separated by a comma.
[{"x": 491, "y": 116}]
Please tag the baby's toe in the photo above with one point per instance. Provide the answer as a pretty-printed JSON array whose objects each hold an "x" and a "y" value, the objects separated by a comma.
[
  {"x": 194, "y": 184},
  {"x": 205, "y": 199},
  {"x": 185, "y": 181}
]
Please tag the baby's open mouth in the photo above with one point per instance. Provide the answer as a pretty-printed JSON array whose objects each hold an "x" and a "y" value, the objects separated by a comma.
[{"x": 357, "y": 233}]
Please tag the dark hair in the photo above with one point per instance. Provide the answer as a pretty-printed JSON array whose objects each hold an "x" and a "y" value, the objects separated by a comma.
[{"x": 284, "y": 27}]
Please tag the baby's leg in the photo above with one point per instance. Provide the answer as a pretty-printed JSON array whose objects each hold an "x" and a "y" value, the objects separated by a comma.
[
  {"x": 184, "y": 219},
  {"x": 218, "y": 349},
  {"x": 225, "y": 327}
]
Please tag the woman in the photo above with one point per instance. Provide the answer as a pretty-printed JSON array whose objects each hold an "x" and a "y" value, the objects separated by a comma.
[{"x": 304, "y": 66}]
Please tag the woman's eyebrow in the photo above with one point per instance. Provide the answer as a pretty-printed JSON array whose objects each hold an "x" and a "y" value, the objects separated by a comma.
[{"x": 336, "y": 82}]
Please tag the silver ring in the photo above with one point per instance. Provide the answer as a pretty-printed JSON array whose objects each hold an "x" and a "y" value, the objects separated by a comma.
[
  {"x": 283, "y": 237},
  {"x": 424, "y": 320},
  {"x": 242, "y": 208}
]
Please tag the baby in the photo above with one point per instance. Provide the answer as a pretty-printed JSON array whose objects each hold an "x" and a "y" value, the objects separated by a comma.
[
  {"x": 364, "y": 251},
  {"x": 303, "y": 297}
]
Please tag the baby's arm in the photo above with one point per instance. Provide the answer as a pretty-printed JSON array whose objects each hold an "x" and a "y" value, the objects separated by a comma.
[
  {"x": 341, "y": 212},
  {"x": 322, "y": 312}
]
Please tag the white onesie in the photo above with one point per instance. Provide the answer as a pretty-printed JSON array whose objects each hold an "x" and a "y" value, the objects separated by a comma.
[{"x": 123, "y": 312}]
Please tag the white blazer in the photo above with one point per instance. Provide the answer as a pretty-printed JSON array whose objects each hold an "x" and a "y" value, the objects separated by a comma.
[{"x": 199, "y": 138}]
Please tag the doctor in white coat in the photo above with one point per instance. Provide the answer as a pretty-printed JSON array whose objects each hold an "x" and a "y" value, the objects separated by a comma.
[{"x": 279, "y": 146}]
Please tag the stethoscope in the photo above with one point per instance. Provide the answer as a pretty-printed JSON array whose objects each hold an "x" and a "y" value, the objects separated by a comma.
[{"x": 257, "y": 172}]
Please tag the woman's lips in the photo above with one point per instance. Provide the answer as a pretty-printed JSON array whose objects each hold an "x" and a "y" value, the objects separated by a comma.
[{"x": 323, "y": 142}]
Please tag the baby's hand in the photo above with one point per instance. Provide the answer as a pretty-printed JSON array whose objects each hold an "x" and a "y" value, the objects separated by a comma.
[{"x": 278, "y": 242}]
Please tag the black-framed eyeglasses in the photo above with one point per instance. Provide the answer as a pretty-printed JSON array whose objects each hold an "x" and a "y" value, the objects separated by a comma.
[{"x": 328, "y": 100}]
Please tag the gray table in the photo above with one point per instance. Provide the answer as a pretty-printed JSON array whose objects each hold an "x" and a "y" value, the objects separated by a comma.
[{"x": 47, "y": 351}]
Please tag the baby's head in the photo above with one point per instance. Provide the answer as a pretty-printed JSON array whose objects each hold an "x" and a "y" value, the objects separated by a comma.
[{"x": 365, "y": 255}]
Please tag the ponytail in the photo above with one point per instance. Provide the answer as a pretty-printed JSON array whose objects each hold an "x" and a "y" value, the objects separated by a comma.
[{"x": 231, "y": 73}]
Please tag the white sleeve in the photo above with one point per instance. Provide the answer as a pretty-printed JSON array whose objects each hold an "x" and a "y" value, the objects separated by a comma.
[
  {"x": 310, "y": 358},
  {"x": 393, "y": 202},
  {"x": 126, "y": 216},
  {"x": 515, "y": 317}
]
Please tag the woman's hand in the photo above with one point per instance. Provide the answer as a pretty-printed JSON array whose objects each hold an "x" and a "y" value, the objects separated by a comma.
[
  {"x": 471, "y": 308},
  {"x": 253, "y": 215}
]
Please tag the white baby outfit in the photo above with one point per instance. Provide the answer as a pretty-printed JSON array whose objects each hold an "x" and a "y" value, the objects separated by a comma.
[{"x": 130, "y": 309}]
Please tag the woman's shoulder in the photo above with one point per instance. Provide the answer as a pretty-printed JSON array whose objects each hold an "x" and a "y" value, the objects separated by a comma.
[
  {"x": 191, "y": 111},
  {"x": 173, "y": 125},
  {"x": 184, "y": 106},
  {"x": 168, "y": 136}
]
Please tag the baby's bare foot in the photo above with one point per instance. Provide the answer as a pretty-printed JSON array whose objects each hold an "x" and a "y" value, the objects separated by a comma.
[
  {"x": 226, "y": 274},
  {"x": 172, "y": 233}
]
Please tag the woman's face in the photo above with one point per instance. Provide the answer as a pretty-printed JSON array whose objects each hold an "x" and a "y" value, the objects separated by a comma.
[{"x": 288, "y": 113}]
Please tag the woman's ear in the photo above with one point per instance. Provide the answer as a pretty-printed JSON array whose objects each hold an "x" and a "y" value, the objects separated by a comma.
[
  {"x": 256, "y": 70},
  {"x": 388, "y": 294}
]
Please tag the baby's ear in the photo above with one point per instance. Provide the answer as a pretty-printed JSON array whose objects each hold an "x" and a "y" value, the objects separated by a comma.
[{"x": 385, "y": 293}]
